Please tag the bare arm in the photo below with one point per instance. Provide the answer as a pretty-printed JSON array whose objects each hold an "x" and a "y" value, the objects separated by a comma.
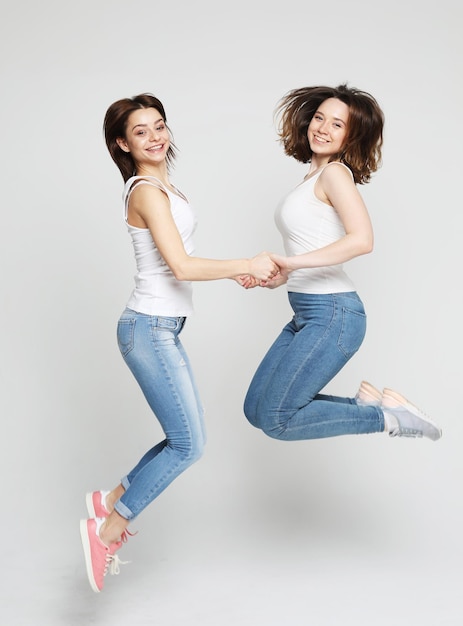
[
  {"x": 336, "y": 187},
  {"x": 150, "y": 208}
]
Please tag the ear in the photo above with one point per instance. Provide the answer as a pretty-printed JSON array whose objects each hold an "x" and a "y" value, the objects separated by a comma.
[{"x": 121, "y": 142}]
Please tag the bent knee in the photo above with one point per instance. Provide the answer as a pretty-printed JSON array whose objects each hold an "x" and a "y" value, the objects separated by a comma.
[
  {"x": 275, "y": 432},
  {"x": 273, "y": 427},
  {"x": 195, "y": 451},
  {"x": 189, "y": 452},
  {"x": 251, "y": 415}
]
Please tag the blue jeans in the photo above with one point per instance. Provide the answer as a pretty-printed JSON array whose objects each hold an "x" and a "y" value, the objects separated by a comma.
[
  {"x": 151, "y": 347},
  {"x": 284, "y": 397}
]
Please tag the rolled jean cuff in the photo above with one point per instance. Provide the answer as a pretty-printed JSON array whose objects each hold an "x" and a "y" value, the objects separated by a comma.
[
  {"x": 120, "y": 506},
  {"x": 126, "y": 513},
  {"x": 125, "y": 483}
]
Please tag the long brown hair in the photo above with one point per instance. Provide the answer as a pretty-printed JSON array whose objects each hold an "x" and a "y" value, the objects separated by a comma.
[
  {"x": 115, "y": 125},
  {"x": 361, "y": 151}
]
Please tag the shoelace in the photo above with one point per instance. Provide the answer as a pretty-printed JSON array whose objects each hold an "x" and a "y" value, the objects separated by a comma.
[
  {"x": 400, "y": 431},
  {"x": 112, "y": 564},
  {"x": 126, "y": 534}
]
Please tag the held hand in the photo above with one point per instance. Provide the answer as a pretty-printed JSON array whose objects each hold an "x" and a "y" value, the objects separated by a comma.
[
  {"x": 247, "y": 281},
  {"x": 262, "y": 267},
  {"x": 277, "y": 281},
  {"x": 281, "y": 261}
]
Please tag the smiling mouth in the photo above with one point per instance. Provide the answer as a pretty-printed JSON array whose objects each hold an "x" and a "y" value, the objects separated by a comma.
[
  {"x": 158, "y": 147},
  {"x": 320, "y": 139}
]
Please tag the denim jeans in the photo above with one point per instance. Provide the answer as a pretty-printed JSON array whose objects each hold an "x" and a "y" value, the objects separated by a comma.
[
  {"x": 284, "y": 397},
  {"x": 151, "y": 347}
]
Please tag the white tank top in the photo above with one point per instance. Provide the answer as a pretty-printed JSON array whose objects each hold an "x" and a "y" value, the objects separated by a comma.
[
  {"x": 157, "y": 291},
  {"x": 306, "y": 223}
]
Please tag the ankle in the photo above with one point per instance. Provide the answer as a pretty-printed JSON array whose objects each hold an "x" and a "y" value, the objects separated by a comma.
[
  {"x": 390, "y": 421},
  {"x": 113, "y": 496},
  {"x": 112, "y": 528},
  {"x": 109, "y": 502},
  {"x": 102, "y": 534}
]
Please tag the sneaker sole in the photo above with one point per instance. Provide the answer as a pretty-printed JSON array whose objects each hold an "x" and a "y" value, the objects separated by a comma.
[
  {"x": 369, "y": 392},
  {"x": 90, "y": 507},
  {"x": 394, "y": 400},
  {"x": 88, "y": 555}
]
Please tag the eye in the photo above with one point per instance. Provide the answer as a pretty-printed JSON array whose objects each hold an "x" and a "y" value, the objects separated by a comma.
[{"x": 160, "y": 128}]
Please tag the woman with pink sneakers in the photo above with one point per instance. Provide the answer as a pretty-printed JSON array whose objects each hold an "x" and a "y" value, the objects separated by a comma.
[
  {"x": 324, "y": 223},
  {"x": 161, "y": 222}
]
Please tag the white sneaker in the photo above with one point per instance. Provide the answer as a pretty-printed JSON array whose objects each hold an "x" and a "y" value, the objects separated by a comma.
[
  {"x": 410, "y": 421},
  {"x": 367, "y": 395}
]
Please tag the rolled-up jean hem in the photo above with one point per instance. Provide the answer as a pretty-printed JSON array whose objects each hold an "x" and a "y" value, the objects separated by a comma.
[{"x": 120, "y": 508}]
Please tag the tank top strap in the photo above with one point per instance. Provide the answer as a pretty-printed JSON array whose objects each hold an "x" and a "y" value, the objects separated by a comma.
[
  {"x": 136, "y": 181},
  {"x": 339, "y": 163}
]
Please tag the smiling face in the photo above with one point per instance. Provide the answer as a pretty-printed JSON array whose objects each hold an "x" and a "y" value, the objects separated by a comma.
[
  {"x": 327, "y": 130},
  {"x": 146, "y": 138}
]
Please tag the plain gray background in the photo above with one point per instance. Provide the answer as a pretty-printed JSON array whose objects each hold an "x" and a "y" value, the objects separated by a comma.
[{"x": 355, "y": 530}]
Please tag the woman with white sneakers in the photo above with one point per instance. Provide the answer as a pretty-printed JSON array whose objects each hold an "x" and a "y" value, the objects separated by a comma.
[{"x": 325, "y": 223}]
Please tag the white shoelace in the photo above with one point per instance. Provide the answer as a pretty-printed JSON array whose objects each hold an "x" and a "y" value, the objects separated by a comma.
[{"x": 112, "y": 564}]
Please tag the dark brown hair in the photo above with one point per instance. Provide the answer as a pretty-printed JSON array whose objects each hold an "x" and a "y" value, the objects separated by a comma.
[
  {"x": 115, "y": 126},
  {"x": 361, "y": 151}
]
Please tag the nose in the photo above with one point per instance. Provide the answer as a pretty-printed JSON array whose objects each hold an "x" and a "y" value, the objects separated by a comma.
[
  {"x": 323, "y": 127},
  {"x": 154, "y": 134}
]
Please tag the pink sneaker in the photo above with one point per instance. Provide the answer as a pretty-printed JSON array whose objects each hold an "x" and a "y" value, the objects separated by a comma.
[
  {"x": 99, "y": 558},
  {"x": 368, "y": 395},
  {"x": 96, "y": 504}
]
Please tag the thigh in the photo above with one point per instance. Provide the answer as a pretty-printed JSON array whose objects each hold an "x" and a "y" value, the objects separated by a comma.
[
  {"x": 327, "y": 335},
  {"x": 266, "y": 369},
  {"x": 192, "y": 379},
  {"x": 152, "y": 350}
]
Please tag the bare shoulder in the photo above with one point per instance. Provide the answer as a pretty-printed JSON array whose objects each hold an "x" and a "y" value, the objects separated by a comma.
[
  {"x": 334, "y": 181},
  {"x": 336, "y": 172},
  {"x": 147, "y": 203},
  {"x": 145, "y": 195}
]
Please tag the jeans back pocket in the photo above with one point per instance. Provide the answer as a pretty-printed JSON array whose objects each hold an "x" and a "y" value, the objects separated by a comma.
[
  {"x": 125, "y": 335},
  {"x": 353, "y": 329}
]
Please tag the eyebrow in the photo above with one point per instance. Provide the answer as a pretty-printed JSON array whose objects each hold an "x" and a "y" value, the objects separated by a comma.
[
  {"x": 338, "y": 119},
  {"x": 145, "y": 125}
]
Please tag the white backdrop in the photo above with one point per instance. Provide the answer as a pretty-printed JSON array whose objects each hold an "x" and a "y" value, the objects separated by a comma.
[{"x": 354, "y": 530}]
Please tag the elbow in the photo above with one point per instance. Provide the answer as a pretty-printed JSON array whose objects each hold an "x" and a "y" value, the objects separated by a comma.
[
  {"x": 365, "y": 246},
  {"x": 361, "y": 243},
  {"x": 181, "y": 265},
  {"x": 182, "y": 270},
  {"x": 179, "y": 273},
  {"x": 368, "y": 248}
]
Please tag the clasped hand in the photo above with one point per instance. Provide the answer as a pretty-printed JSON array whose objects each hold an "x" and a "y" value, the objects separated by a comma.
[{"x": 272, "y": 265}]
